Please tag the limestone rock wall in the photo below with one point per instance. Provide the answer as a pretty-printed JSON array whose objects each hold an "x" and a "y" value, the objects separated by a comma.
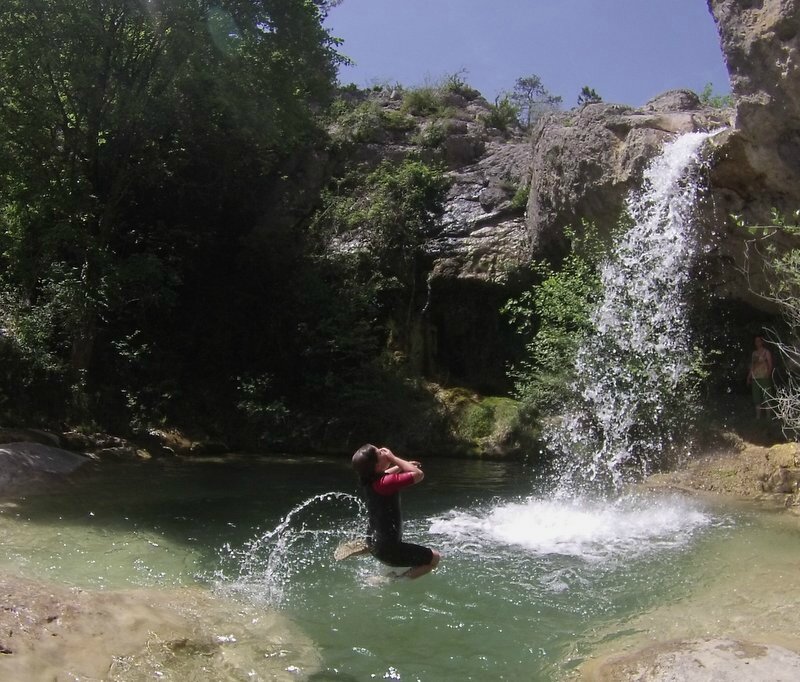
[
  {"x": 476, "y": 250},
  {"x": 760, "y": 41},
  {"x": 586, "y": 161},
  {"x": 757, "y": 165}
]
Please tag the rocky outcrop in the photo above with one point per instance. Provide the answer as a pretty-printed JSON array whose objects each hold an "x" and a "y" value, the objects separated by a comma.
[
  {"x": 757, "y": 165},
  {"x": 26, "y": 467},
  {"x": 482, "y": 232},
  {"x": 692, "y": 660},
  {"x": 480, "y": 244},
  {"x": 55, "y": 632},
  {"x": 760, "y": 41},
  {"x": 586, "y": 161},
  {"x": 769, "y": 475}
]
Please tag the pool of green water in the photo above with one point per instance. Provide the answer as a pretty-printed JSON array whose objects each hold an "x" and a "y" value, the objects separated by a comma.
[{"x": 529, "y": 587}]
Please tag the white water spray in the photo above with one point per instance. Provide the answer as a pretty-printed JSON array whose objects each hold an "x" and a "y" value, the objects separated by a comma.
[
  {"x": 632, "y": 371},
  {"x": 264, "y": 566},
  {"x": 592, "y": 531}
]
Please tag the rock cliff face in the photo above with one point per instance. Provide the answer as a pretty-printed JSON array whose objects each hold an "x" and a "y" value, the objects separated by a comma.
[
  {"x": 586, "y": 161},
  {"x": 581, "y": 165},
  {"x": 757, "y": 165},
  {"x": 481, "y": 241},
  {"x": 760, "y": 41}
]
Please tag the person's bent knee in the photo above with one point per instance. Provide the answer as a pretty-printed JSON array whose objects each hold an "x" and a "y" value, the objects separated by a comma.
[{"x": 435, "y": 558}]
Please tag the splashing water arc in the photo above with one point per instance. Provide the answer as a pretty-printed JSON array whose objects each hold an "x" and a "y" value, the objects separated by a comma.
[{"x": 630, "y": 392}]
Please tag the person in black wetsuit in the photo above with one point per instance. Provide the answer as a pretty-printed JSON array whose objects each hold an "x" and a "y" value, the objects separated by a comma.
[{"x": 383, "y": 475}]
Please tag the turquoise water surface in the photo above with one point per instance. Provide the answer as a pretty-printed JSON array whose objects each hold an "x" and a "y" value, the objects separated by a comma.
[{"x": 529, "y": 587}]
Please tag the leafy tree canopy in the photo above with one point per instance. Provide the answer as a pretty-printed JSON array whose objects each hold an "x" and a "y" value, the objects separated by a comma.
[
  {"x": 588, "y": 96},
  {"x": 532, "y": 99},
  {"x": 133, "y": 133}
]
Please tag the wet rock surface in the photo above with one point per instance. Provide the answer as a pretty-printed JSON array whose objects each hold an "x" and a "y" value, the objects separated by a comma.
[
  {"x": 701, "y": 660},
  {"x": 53, "y": 632},
  {"x": 768, "y": 474}
]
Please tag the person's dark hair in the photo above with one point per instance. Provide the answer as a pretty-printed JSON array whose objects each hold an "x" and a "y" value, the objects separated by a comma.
[{"x": 364, "y": 463}]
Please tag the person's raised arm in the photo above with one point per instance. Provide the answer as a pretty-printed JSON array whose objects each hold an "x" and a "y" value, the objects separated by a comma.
[{"x": 404, "y": 466}]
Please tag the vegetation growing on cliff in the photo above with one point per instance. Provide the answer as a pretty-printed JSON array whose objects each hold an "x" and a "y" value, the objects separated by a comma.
[
  {"x": 713, "y": 99},
  {"x": 553, "y": 319},
  {"x": 532, "y": 99}
]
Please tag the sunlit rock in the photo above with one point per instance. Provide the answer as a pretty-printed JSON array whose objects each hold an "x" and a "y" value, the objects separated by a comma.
[{"x": 27, "y": 467}]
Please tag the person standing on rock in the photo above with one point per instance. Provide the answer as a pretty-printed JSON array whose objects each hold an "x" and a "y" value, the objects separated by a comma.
[
  {"x": 759, "y": 376},
  {"x": 383, "y": 475}
]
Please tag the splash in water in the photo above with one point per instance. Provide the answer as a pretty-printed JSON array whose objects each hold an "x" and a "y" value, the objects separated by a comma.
[
  {"x": 264, "y": 569},
  {"x": 594, "y": 532},
  {"x": 632, "y": 389}
]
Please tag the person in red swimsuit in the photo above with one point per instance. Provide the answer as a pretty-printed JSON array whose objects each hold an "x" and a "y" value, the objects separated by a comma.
[{"x": 383, "y": 475}]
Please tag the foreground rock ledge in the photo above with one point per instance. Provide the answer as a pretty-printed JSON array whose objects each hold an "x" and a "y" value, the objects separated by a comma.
[
  {"x": 54, "y": 632},
  {"x": 699, "y": 660},
  {"x": 768, "y": 475}
]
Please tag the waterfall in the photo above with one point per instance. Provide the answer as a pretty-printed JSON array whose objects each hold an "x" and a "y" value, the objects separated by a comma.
[{"x": 631, "y": 389}]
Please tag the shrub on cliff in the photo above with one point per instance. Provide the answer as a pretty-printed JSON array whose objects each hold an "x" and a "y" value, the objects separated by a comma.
[
  {"x": 553, "y": 318},
  {"x": 780, "y": 268}
]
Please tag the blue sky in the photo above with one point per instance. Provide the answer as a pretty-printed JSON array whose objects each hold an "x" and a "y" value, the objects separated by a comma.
[{"x": 627, "y": 50}]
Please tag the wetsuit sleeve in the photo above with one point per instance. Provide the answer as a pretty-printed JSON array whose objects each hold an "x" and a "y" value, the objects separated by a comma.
[{"x": 391, "y": 483}]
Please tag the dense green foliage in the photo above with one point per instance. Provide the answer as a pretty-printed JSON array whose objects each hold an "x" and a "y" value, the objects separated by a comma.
[
  {"x": 140, "y": 144},
  {"x": 502, "y": 114},
  {"x": 553, "y": 319},
  {"x": 381, "y": 217}
]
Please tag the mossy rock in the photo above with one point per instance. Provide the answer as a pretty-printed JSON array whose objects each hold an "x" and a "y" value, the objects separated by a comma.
[{"x": 485, "y": 425}]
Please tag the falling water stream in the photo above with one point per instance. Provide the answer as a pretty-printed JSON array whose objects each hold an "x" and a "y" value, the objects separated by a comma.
[
  {"x": 631, "y": 393},
  {"x": 532, "y": 584}
]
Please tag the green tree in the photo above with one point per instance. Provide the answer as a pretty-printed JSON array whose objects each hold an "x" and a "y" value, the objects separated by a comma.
[
  {"x": 588, "y": 96},
  {"x": 374, "y": 225},
  {"x": 553, "y": 318},
  {"x": 715, "y": 100},
  {"x": 130, "y": 131},
  {"x": 532, "y": 99},
  {"x": 502, "y": 113}
]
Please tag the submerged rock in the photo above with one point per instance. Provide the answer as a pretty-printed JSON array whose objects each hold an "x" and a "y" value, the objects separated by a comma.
[{"x": 53, "y": 632}]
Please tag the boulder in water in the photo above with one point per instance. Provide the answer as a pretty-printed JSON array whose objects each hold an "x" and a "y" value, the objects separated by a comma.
[{"x": 26, "y": 467}]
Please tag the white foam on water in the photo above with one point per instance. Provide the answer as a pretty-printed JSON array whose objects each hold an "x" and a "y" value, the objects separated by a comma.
[{"x": 591, "y": 531}]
